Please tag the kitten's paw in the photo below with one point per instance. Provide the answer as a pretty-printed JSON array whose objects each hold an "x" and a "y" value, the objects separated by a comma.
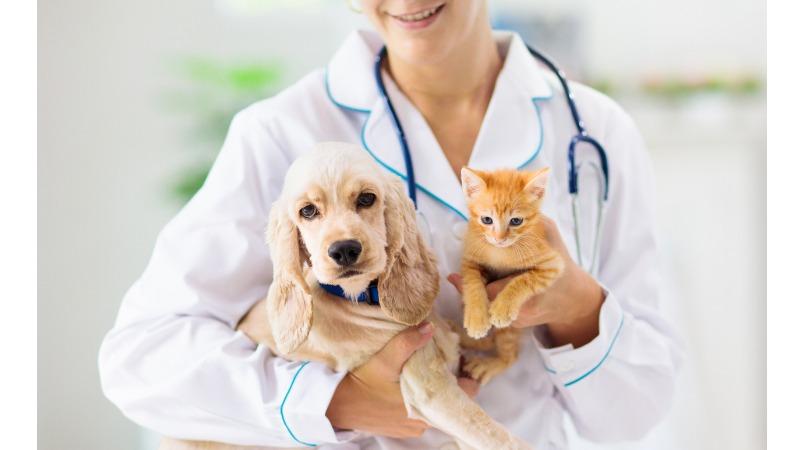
[
  {"x": 502, "y": 312},
  {"x": 476, "y": 322},
  {"x": 482, "y": 369}
]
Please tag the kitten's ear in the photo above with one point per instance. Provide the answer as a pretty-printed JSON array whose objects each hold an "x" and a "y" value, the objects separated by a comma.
[
  {"x": 471, "y": 182},
  {"x": 537, "y": 183}
]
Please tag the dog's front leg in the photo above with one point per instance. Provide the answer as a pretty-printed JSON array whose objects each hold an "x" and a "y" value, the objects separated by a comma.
[{"x": 432, "y": 391}]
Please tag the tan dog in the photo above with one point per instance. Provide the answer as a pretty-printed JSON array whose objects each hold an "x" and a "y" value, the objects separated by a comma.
[{"x": 342, "y": 220}]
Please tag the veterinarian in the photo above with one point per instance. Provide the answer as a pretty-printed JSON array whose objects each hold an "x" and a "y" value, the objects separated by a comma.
[{"x": 597, "y": 349}]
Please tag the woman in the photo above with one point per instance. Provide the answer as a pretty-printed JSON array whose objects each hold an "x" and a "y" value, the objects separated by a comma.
[{"x": 596, "y": 349}]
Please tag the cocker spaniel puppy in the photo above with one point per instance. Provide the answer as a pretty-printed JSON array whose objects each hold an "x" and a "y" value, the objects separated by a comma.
[{"x": 343, "y": 221}]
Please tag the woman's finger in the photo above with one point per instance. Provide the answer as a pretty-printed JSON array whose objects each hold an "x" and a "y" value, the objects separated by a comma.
[
  {"x": 394, "y": 354},
  {"x": 455, "y": 280},
  {"x": 469, "y": 386},
  {"x": 494, "y": 288}
]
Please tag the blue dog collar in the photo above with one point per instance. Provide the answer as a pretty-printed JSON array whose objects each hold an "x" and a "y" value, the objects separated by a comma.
[{"x": 370, "y": 296}]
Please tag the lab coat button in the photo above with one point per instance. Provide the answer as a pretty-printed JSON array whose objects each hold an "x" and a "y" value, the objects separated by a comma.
[{"x": 459, "y": 230}]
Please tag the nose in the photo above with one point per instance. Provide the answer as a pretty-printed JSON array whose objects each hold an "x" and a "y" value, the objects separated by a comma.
[{"x": 345, "y": 253}]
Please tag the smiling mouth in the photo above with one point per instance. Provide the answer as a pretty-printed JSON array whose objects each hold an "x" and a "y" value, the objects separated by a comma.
[{"x": 419, "y": 16}]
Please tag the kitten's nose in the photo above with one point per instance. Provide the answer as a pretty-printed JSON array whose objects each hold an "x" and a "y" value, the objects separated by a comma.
[{"x": 345, "y": 253}]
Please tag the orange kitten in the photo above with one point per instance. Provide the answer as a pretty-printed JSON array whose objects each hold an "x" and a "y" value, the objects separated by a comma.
[{"x": 504, "y": 237}]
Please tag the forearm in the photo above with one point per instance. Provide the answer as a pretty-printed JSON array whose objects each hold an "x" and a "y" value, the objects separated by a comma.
[{"x": 579, "y": 323}]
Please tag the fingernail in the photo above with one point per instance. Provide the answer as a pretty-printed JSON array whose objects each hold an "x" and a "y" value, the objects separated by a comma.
[{"x": 425, "y": 329}]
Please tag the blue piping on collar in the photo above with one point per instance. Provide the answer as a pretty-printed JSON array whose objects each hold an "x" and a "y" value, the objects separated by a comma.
[{"x": 420, "y": 187}]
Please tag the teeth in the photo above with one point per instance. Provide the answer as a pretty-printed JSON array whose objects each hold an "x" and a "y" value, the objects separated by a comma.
[{"x": 418, "y": 16}]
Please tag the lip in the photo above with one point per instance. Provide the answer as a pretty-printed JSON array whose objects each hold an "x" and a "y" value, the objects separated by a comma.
[
  {"x": 349, "y": 273},
  {"x": 419, "y": 24}
]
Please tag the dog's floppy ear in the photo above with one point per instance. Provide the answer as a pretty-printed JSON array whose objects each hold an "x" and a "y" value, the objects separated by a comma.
[
  {"x": 289, "y": 308},
  {"x": 410, "y": 283}
]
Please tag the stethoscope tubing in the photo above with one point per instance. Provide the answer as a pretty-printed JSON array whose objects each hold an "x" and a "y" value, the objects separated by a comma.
[{"x": 398, "y": 128}]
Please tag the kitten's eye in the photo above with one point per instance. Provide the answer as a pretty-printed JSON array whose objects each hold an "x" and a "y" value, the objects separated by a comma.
[
  {"x": 515, "y": 221},
  {"x": 309, "y": 211},
  {"x": 365, "y": 200},
  {"x": 486, "y": 220}
]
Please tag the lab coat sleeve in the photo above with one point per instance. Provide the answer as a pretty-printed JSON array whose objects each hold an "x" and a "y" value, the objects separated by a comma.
[
  {"x": 619, "y": 385},
  {"x": 173, "y": 362}
]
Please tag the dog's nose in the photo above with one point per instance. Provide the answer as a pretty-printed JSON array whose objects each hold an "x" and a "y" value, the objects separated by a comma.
[{"x": 345, "y": 253}]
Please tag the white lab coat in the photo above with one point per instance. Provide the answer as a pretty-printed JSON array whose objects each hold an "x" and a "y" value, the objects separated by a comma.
[{"x": 174, "y": 363}]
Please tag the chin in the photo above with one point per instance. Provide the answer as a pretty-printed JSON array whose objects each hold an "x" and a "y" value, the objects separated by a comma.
[
  {"x": 355, "y": 285},
  {"x": 424, "y": 48}
]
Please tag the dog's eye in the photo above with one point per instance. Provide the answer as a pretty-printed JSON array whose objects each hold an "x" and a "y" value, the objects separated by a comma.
[
  {"x": 486, "y": 220},
  {"x": 309, "y": 211},
  {"x": 515, "y": 221},
  {"x": 365, "y": 200}
]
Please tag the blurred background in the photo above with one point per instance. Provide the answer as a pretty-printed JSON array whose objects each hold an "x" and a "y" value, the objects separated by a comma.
[{"x": 135, "y": 98}]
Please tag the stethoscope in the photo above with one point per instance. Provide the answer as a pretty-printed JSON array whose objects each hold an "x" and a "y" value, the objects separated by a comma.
[{"x": 582, "y": 136}]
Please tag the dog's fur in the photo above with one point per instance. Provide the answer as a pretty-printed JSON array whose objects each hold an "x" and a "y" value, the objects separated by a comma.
[{"x": 307, "y": 323}]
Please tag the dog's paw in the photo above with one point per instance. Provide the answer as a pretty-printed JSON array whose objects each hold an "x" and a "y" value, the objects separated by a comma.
[
  {"x": 477, "y": 323},
  {"x": 502, "y": 312},
  {"x": 482, "y": 369}
]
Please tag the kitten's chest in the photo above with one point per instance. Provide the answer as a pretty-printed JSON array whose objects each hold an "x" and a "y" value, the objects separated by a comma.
[{"x": 500, "y": 263}]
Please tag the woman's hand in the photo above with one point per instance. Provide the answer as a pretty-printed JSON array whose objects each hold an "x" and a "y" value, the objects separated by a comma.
[
  {"x": 254, "y": 323},
  {"x": 369, "y": 399},
  {"x": 570, "y": 307}
]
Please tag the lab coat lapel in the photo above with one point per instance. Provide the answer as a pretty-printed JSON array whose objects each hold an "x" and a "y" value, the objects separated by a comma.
[
  {"x": 350, "y": 84},
  {"x": 349, "y": 81},
  {"x": 512, "y": 133}
]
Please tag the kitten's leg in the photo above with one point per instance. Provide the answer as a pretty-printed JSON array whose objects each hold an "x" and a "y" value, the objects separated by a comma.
[
  {"x": 484, "y": 368},
  {"x": 483, "y": 344},
  {"x": 476, "y": 301},
  {"x": 506, "y": 305}
]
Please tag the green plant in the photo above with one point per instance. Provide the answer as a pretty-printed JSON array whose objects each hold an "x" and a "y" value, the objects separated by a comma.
[{"x": 208, "y": 94}]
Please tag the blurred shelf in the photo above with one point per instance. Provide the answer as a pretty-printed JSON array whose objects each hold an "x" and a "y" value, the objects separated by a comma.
[{"x": 712, "y": 120}]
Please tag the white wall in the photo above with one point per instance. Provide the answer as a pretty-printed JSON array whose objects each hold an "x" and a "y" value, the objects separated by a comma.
[
  {"x": 631, "y": 38},
  {"x": 108, "y": 148}
]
